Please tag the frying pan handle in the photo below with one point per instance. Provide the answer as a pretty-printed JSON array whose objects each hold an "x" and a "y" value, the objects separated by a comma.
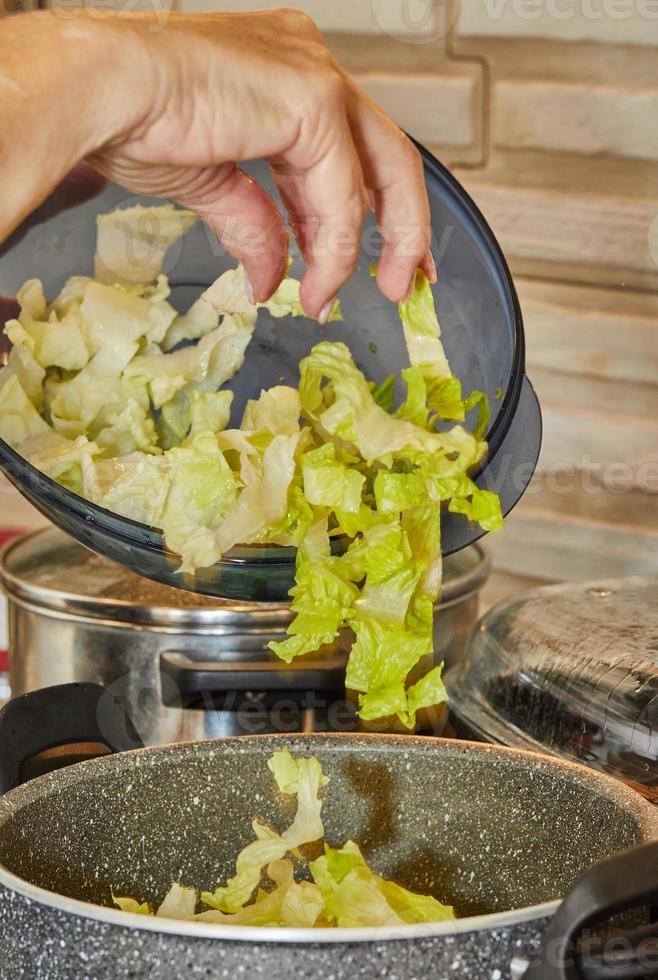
[
  {"x": 572, "y": 950},
  {"x": 60, "y": 715},
  {"x": 194, "y": 676}
]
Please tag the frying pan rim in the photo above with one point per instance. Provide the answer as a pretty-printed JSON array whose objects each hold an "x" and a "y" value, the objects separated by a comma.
[
  {"x": 631, "y": 801},
  {"x": 272, "y": 934}
]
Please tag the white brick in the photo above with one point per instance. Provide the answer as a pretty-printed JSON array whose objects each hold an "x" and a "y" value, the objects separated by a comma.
[
  {"x": 413, "y": 20},
  {"x": 539, "y": 545},
  {"x": 555, "y": 115},
  {"x": 599, "y": 425},
  {"x": 603, "y": 333},
  {"x": 590, "y": 496},
  {"x": 435, "y": 108},
  {"x": 601, "y": 442},
  {"x": 582, "y": 394},
  {"x": 597, "y": 230},
  {"x": 613, "y": 21}
]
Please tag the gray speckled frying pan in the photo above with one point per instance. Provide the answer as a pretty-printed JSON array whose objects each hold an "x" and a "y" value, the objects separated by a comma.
[{"x": 501, "y": 834}]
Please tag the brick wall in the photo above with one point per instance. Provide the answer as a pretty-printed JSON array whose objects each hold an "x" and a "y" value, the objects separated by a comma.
[{"x": 569, "y": 182}]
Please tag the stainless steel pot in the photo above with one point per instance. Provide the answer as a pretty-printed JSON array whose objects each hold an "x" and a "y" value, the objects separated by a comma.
[
  {"x": 502, "y": 834},
  {"x": 188, "y": 666}
]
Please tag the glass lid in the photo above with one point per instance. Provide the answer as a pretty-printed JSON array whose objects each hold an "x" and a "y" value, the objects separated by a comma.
[{"x": 572, "y": 670}]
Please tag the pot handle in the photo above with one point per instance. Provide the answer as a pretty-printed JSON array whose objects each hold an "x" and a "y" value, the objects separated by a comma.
[
  {"x": 60, "y": 715},
  {"x": 194, "y": 676},
  {"x": 573, "y": 949}
]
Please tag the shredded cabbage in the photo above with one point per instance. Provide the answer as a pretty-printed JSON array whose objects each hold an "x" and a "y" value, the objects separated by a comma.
[
  {"x": 344, "y": 891},
  {"x": 112, "y": 393}
]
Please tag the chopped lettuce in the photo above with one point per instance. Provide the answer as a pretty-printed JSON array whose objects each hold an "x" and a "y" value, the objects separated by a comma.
[
  {"x": 356, "y": 896},
  {"x": 131, "y": 905},
  {"x": 132, "y": 242},
  {"x": 179, "y": 903},
  {"x": 422, "y": 332},
  {"x": 330, "y": 483},
  {"x": 120, "y": 398},
  {"x": 199, "y": 320},
  {"x": 276, "y": 410},
  {"x": 19, "y": 419},
  {"x": 305, "y": 782},
  {"x": 344, "y": 893}
]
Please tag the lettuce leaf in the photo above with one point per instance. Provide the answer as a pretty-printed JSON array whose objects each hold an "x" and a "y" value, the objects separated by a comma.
[
  {"x": 354, "y": 416},
  {"x": 131, "y": 905},
  {"x": 330, "y": 483},
  {"x": 19, "y": 419},
  {"x": 481, "y": 506},
  {"x": 200, "y": 319},
  {"x": 303, "y": 778},
  {"x": 356, "y": 896},
  {"x": 132, "y": 242},
  {"x": 179, "y": 903},
  {"x": 321, "y": 601},
  {"x": 277, "y": 410},
  {"x": 422, "y": 332},
  {"x": 263, "y": 500}
]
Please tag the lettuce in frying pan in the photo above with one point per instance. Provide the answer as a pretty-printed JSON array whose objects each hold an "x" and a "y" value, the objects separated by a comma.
[{"x": 265, "y": 891}]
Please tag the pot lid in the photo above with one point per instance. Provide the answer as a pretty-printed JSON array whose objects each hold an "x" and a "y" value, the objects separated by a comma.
[
  {"x": 573, "y": 670},
  {"x": 50, "y": 570}
]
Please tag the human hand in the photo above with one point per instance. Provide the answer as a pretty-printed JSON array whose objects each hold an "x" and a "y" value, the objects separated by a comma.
[{"x": 177, "y": 107}]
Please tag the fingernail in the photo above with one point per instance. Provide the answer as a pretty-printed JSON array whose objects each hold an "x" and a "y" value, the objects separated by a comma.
[
  {"x": 249, "y": 288},
  {"x": 325, "y": 312}
]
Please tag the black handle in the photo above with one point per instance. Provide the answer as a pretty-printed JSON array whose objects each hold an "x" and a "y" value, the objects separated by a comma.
[
  {"x": 60, "y": 715},
  {"x": 572, "y": 951},
  {"x": 194, "y": 676}
]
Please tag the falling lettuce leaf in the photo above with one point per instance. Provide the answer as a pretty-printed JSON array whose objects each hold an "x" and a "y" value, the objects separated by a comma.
[
  {"x": 422, "y": 331},
  {"x": 306, "y": 783}
]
